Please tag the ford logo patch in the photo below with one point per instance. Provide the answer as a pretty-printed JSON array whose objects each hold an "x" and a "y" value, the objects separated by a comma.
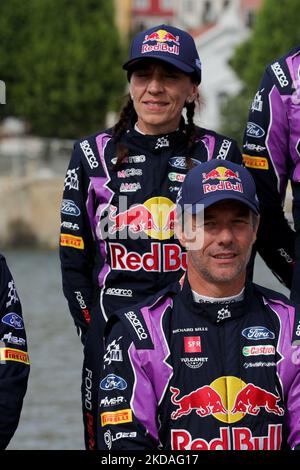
[
  {"x": 257, "y": 333},
  {"x": 112, "y": 382},
  {"x": 253, "y": 130},
  {"x": 178, "y": 162},
  {"x": 14, "y": 320},
  {"x": 69, "y": 207}
]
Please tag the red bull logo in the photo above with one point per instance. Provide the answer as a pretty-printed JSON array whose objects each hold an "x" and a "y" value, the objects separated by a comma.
[
  {"x": 251, "y": 399},
  {"x": 205, "y": 401},
  {"x": 163, "y": 40},
  {"x": 229, "y": 439},
  {"x": 240, "y": 399},
  {"x": 154, "y": 218},
  {"x": 221, "y": 173}
]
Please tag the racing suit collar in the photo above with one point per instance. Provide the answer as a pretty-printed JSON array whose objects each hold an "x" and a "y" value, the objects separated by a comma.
[{"x": 217, "y": 312}]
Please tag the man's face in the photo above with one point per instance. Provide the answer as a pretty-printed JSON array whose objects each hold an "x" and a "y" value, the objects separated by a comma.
[
  {"x": 159, "y": 93},
  {"x": 228, "y": 233}
]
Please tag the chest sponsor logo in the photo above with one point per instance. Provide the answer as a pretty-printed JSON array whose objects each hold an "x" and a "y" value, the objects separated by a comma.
[
  {"x": 229, "y": 439},
  {"x": 228, "y": 399},
  {"x": 71, "y": 180},
  {"x": 279, "y": 74},
  {"x": 113, "y": 382},
  {"x": 154, "y": 218},
  {"x": 257, "y": 333},
  {"x": 113, "y": 353},
  {"x": 14, "y": 320},
  {"x": 178, "y": 177},
  {"x": 223, "y": 313},
  {"x": 137, "y": 325},
  {"x": 160, "y": 259},
  {"x": 254, "y": 130},
  {"x": 129, "y": 172},
  {"x": 130, "y": 187},
  {"x": 9, "y": 338},
  {"x": 249, "y": 365},
  {"x": 256, "y": 148},
  {"x": 259, "y": 350},
  {"x": 174, "y": 189},
  {"x": 12, "y": 294},
  {"x": 226, "y": 144},
  {"x": 116, "y": 417},
  {"x": 89, "y": 154},
  {"x": 115, "y": 401},
  {"x": 69, "y": 207},
  {"x": 192, "y": 344},
  {"x": 14, "y": 355},
  {"x": 193, "y": 362},
  {"x": 131, "y": 159},
  {"x": 178, "y": 162},
  {"x": 162, "y": 142},
  {"x": 71, "y": 241}
]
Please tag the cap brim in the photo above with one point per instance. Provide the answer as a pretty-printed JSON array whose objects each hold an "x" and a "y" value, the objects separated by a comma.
[
  {"x": 178, "y": 64},
  {"x": 210, "y": 200}
]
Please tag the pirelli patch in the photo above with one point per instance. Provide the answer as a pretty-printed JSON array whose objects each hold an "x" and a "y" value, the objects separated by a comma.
[
  {"x": 71, "y": 241},
  {"x": 116, "y": 417},
  {"x": 258, "y": 163},
  {"x": 15, "y": 355}
]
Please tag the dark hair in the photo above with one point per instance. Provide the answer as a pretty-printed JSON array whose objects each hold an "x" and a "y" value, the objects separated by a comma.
[{"x": 128, "y": 114}]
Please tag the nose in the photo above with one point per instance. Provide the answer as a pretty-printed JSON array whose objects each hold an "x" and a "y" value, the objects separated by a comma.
[
  {"x": 225, "y": 235},
  {"x": 155, "y": 84}
]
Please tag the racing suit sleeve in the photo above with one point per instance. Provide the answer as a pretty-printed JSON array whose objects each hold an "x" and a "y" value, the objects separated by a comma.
[
  {"x": 77, "y": 244},
  {"x": 266, "y": 155},
  {"x": 14, "y": 362},
  {"x": 128, "y": 406}
]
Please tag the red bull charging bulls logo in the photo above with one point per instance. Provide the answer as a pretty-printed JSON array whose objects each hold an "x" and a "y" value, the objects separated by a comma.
[
  {"x": 161, "y": 40},
  {"x": 227, "y": 179}
]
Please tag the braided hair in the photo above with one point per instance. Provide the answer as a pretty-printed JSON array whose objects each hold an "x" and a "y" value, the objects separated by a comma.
[{"x": 128, "y": 114}]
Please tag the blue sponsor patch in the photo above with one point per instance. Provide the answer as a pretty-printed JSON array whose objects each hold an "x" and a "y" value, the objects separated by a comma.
[
  {"x": 178, "y": 162},
  {"x": 14, "y": 320},
  {"x": 69, "y": 207},
  {"x": 256, "y": 333},
  {"x": 254, "y": 130},
  {"x": 112, "y": 382}
]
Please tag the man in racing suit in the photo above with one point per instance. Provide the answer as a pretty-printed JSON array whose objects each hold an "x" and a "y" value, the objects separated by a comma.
[
  {"x": 214, "y": 364},
  {"x": 14, "y": 362},
  {"x": 117, "y": 245},
  {"x": 272, "y": 155}
]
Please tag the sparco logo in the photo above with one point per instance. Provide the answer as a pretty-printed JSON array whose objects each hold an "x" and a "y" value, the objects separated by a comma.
[
  {"x": 89, "y": 154},
  {"x": 119, "y": 292},
  {"x": 79, "y": 299},
  {"x": 136, "y": 324},
  {"x": 280, "y": 75},
  {"x": 224, "y": 149}
]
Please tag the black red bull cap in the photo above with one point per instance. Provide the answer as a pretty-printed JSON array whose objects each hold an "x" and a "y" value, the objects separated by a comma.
[
  {"x": 169, "y": 44},
  {"x": 215, "y": 181}
]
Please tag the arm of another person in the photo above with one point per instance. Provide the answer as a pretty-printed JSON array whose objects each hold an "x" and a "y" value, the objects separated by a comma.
[
  {"x": 77, "y": 245},
  {"x": 266, "y": 155},
  {"x": 128, "y": 406},
  {"x": 14, "y": 362}
]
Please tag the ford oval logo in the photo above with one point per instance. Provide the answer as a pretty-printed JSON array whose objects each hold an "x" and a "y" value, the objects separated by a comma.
[
  {"x": 257, "y": 333},
  {"x": 14, "y": 320},
  {"x": 112, "y": 382},
  {"x": 178, "y": 162},
  {"x": 253, "y": 130},
  {"x": 69, "y": 207}
]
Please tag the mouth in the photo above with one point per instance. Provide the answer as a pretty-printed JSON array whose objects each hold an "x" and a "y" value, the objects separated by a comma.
[
  {"x": 154, "y": 105},
  {"x": 224, "y": 258}
]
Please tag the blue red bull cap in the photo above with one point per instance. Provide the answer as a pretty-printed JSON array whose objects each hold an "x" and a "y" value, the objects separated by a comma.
[
  {"x": 215, "y": 181},
  {"x": 169, "y": 44}
]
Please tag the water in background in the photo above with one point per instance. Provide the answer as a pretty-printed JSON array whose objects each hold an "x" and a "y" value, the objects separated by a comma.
[{"x": 51, "y": 416}]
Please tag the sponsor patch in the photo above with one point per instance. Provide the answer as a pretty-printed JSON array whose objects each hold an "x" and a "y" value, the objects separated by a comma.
[
  {"x": 15, "y": 355},
  {"x": 116, "y": 417},
  {"x": 71, "y": 241},
  {"x": 256, "y": 333},
  {"x": 258, "y": 163},
  {"x": 113, "y": 382},
  {"x": 14, "y": 320},
  {"x": 192, "y": 344},
  {"x": 260, "y": 350}
]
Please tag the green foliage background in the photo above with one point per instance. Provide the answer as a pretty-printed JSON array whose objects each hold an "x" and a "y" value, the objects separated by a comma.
[
  {"x": 61, "y": 62},
  {"x": 276, "y": 31}
]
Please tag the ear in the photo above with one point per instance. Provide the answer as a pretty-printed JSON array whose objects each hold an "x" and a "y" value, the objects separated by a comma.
[{"x": 179, "y": 233}]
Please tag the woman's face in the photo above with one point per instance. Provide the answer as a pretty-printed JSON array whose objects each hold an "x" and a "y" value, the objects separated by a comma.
[{"x": 159, "y": 92}]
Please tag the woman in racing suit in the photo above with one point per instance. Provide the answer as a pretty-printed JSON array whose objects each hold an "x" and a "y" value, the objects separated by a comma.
[{"x": 117, "y": 241}]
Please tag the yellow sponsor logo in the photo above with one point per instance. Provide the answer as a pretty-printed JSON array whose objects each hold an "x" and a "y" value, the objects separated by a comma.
[
  {"x": 116, "y": 417},
  {"x": 259, "y": 163},
  {"x": 72, "y": 241},
  {"x": 9, "y": 354}
]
